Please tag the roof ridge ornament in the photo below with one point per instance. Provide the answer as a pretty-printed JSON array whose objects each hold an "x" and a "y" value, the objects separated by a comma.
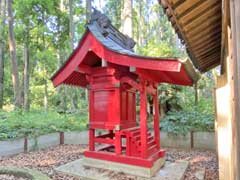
[
  {"x": 108, "y": 30},
  {"x": 102, "y": 20}
]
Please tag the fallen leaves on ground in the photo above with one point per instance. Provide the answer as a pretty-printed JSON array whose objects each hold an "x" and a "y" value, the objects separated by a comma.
[
  {"x": 48, "y": 159},
  {"x": 10, "y": 177},
  {"x": 199, "y": 160}
]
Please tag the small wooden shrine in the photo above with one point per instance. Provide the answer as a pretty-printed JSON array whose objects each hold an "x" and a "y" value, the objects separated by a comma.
[{"x": 104, "y": 62}]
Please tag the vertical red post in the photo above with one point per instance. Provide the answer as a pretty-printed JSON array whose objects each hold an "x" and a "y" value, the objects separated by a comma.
[
  {"x": 128, "y": 146},
  {"x": 118, "y": 143},
  {"x": 143, "y": 119},
  {"x": 91, "y": 139},
  {"x": 156, "y": 119},
  {"x": 91, "y": 131}
]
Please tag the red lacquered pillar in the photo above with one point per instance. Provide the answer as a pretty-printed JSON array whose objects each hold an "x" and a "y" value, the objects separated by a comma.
[
  {"x": 143, "y": 119},
  {"x": 118, "y": 143},
  {"x": 91, "y": 139},
  {"x": 156, "y": 120}
]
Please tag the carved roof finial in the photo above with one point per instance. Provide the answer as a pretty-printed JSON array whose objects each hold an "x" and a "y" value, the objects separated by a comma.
[{"x": 105, "y": 27}]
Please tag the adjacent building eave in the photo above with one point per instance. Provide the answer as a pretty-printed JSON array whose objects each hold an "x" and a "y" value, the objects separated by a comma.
[{"x": 198, "y": 24}]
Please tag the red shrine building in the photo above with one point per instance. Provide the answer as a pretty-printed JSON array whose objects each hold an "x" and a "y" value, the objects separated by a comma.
[{"x": 104, "y": 62}]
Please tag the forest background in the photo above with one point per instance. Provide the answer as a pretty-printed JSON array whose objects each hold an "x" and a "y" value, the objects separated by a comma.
[{"x": 36, "y": 38}]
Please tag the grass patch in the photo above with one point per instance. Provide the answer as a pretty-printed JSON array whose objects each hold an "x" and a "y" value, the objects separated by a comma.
[{"x": 17, "y": 124}]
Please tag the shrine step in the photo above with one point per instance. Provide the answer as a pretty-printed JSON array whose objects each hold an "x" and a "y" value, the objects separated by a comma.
[
  {"x": 138, "y": 137},
  {"x": 151, "y": 143},
  {"x": 149, "y": 138},
  {"x": 152, "y": 149}
]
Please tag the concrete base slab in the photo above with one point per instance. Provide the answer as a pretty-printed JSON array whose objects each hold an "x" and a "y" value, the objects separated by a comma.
[
  {"x": 128, "y": 169},
  {"x": 170, "y": 171},
  {"x": 200, "y": 174}
]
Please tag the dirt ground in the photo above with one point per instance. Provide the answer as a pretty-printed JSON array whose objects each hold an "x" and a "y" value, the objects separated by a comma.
[{"x": 47, "y": 160}]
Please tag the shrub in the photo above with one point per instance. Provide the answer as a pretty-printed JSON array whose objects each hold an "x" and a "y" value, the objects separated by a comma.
[
  {"x": 18, "y": 124},
  {"x": 181, "y": 122}
]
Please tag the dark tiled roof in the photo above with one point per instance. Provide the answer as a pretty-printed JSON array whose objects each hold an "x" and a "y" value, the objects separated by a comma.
[
  {"x": 108, "y": 35},
  {"x": 100, "y": 26}
]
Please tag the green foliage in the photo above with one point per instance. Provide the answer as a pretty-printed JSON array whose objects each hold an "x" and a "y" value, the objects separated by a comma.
[
  {"x": 171, "y": 96},
  {"x": 113, "y": 11},
  {"x": 189, "y": 117},
  {"x": 182, "y": 115},
  {"x": 181, "y": 122},
  {"x": 44, "y": 26},
  {"x": 18, "y": 123}
]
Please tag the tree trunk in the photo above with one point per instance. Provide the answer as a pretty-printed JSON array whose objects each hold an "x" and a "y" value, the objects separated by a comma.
[
  {"x": 62, "y": 89},
  {"x": 45, "y": 78},
  {"x": 14, "y": 62},
  {"x": 141, "y": 24},
  {"x": 71, "y": 25},
  {"x": 88, "y": 17},
  {"x": 74, "y": 97},
  {"x": 2, "y": 32},
  {"x": 147, "y": 6},
  {"x": 45, "y": 93},
  {"x": 126, "y": 18},
  {"x": 1, "y": 74},
  {"x": 196, "y": 93},
  {"x": 26, "y": 104},
  {"x": 100, "y": 4},
  {"x": 88, "y": 9}
]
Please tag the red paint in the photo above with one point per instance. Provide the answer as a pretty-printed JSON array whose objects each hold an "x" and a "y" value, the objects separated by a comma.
[
  {"x": 90, "y": 51},
  {"x": 156, "y": 120},
  {"x": 112, "y": 99}
]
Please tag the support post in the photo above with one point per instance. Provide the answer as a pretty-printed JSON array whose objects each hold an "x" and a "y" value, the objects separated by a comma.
[
  {"x": 91, "y": 139},
  {"x": 25, "y": 144},
  {"x": 143, "y": 119},
  {"x": 156, "y": 120},
  {"x": 118, "y": 143},
  {"x": 61, "y": 136}
]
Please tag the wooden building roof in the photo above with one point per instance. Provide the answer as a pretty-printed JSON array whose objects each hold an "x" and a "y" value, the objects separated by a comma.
[
  {"x": 102, "y": 41},
  {"x": 198, "y": 24}
]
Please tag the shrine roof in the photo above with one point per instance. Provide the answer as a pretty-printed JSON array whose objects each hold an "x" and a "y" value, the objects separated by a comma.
[
  {"x": 109, "y": 36},
  {"x": 103, "y": 41}
]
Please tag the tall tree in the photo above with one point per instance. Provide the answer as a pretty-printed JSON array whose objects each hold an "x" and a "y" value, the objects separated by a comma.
[
  {"x": 71, "y": 44},
  {"x": 13, "y": 56},
  {"x": 61, "y": 57},
  {"x": 113, "y": 11},
  {"x": 88, "y": 17},
  {"x": 21, "y": 18},
  {"x": 88, "y": 9},
  {"x": 71, "y": 25},
  {"x": 196, "y": 94},
  {"x": 126, "y": 18},
  {"x": 140, "y": 23},
  {"x": 2, "y": 34},
  {"x": 45, "y": 69},
  {"x": 26, "y": 75}
]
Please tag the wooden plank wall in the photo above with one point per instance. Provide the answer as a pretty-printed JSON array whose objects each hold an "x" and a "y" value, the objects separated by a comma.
[
  {"x": 235, "y": 55},
  {"x": 224, "y": 133},
  {"x": 227, "y": 95}
]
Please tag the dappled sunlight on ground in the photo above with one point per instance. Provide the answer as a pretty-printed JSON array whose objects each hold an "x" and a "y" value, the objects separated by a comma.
[
  {"x": 199, "y": 160},
  {"x": 47, "y": 160}
]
